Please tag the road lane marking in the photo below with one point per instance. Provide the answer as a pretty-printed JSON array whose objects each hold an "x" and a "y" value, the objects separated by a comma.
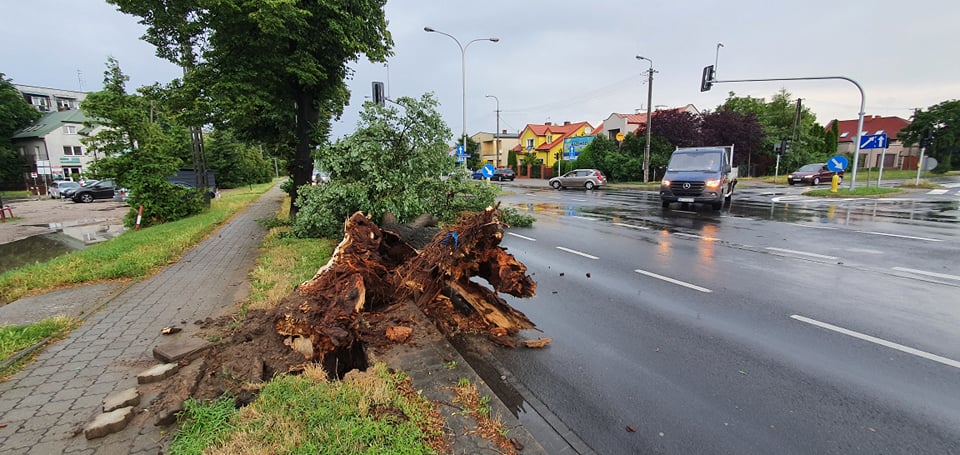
[
  {"x": 585, "y": 218},
  {"x": 522, "y": 237},
  {"x": 879, "y": 341},
  {"x": 685, "y": 211},
  {"x": 937, "y": 191},
  {"x": 901, "y": 236},
  {"x": 671, "y": 280},
  {"x": 631, "y": 226},
  {"x": 803, "y": 253},
  {"x": 950, "y": 185},
  {"x": 923, "y": 272},
  {"x": 814, "y": 226},
  {"x": 684, "y": 234},
  {"x": 568, "y": 250},
  {"x": 578, "y": 200}
]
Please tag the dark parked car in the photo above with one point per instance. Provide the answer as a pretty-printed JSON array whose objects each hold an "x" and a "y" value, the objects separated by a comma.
[
  {"x": 812, "y": 174},
  {"x": 503, "y": 174},
  {"x": 477, "y": 174},
  {"x": 586, "y": 178},
  {"x": 100, "y": 190}
]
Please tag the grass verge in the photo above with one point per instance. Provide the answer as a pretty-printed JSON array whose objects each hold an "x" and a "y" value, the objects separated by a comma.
[
  {"x": 134, "y": 254},
  {"x": 478, "y": 407},
  {"x": 15, "y": 338},
  {"x": 860, "y": 191},
  {"x": 370, "y": 412}
]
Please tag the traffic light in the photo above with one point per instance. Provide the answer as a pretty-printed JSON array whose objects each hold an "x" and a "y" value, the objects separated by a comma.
[
  {"x": 786, "y": 146},
  {"x": 778, "y": 148},
  {"x": 706, "y": 81},
  {"x": 927, "y": 139},
  {"x": 378, "y": 96}
]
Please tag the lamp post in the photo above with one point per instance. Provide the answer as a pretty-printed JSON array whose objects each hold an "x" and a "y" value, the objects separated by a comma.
[
  {"x": 497, "y": 133},
  {"x": 646, "y": 151},
  {"x": 463, "y": 72}
]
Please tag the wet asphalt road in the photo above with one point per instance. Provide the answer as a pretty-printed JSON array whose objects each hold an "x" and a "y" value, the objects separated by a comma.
[{"x": 783, "y": 324}]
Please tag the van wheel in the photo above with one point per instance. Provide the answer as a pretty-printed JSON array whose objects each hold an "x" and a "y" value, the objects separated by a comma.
[{"x": 555, "y": 185}]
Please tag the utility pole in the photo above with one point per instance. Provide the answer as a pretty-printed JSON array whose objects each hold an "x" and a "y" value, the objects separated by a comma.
[{"x": 497, "y": 133}]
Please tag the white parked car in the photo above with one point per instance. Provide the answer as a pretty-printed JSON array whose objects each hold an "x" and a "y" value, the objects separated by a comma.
[{"x": 55, "y": 190}]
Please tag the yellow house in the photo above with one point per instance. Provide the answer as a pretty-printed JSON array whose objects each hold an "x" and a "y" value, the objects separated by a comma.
[{"x": 545, "y": 141}]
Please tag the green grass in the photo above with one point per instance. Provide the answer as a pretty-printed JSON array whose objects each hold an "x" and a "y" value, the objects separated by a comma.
[
  {"x": 14, "y": 338},
  {"x": 372, "y": 412},
  {"x": 5, "y": 195},
  {"x": 860, "y": 191},
  {"x": 134, "y": 254}
]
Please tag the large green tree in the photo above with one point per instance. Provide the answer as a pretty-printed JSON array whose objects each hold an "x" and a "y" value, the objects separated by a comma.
[
  {"x": 273, "y": 71},
  {"x": 389, "y": 164},
  {"x": 15, "y": 114},
  {"x": 235, "y": 163},
  {"x": 942, "y": 123},
  {"x": 138, "y": 148}
]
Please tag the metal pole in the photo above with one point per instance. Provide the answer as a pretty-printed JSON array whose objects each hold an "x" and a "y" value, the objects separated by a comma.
[
  {"x": 920, "y": 165},
  {"x": 646, "y": 151},
  {"x": 463, "y": 75},
  {"x": 716, "y": 60},
  {"x": 496, "y": 136},
  {"x": 863, "y": 103}
]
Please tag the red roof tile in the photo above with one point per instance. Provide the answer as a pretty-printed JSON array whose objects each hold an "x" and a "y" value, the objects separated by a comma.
[{"x": 871, "y": 125}]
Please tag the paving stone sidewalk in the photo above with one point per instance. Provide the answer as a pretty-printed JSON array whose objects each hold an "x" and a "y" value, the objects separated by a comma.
[{"x": 42, "y": 406}]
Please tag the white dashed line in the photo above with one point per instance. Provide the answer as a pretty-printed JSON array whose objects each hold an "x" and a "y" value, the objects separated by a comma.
[
  {"x": 923, "y": 272},
  {"x": 671, "y": 280},
  {"x": 584, "y": 218},
  {"x": 802, "y": 253},
  {"x": 813, "y": 226},
  {"x": 631, "y": 226},
  {"x": 901, "y": 236},
  {"x": 568, "y": 250},
  {"x": 522, "y": 237},
  {"x": 937, "y": 191},
  {"x": 879, "y": 341}
]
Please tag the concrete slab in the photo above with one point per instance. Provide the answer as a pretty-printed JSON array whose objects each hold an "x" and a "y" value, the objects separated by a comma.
[
  {"x": 158, "y": 373},
  {"x": 122, "y": 399},
  {"x": 179, "y": 348},
  {"x": 108, "y": 423}
]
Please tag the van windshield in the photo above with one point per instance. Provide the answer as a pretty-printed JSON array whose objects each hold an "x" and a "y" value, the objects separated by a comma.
[{"x": 697, "y": 161}]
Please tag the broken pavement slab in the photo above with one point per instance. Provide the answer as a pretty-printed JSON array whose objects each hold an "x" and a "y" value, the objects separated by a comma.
[
  {"x": 179, "y": 349},
  {"x": 122, "y": 399},
  {"x": 158, "y": 373},
  {"x": 108, "y": 423}
]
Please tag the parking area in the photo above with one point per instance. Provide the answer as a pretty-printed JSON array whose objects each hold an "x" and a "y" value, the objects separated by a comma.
[{"x": 36, "y": 216}]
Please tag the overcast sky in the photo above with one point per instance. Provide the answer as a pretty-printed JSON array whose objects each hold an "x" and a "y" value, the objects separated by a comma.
[{"x": 567, "y": 60}]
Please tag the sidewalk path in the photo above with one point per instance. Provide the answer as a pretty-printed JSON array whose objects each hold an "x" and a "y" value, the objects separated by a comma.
[{"x": 63, "y": 388}]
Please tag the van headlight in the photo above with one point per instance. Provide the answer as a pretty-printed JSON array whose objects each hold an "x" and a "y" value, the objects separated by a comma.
[
  {"x": 712, "y": 183},
  {"x": 665, "y": 182}
]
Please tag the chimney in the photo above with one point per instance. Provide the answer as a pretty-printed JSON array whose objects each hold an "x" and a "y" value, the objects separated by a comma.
[
  {"x": 503, "y": 132},
  {"x": 548, "y": 123},
  {"x": 566, "y": 122}
]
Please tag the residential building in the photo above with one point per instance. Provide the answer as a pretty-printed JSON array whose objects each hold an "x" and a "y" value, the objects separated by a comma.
[
  {"x": 896, "y": 156},
  {"x": 488, "y": 146},
  {"x": 51, "y": 99},
  {"x": 545, "y": 142},
  {"x": 630, "y": 123},
  {"x": 52, "y": 147}
]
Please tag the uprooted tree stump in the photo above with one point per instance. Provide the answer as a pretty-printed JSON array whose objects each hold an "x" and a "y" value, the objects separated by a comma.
[{"x": 372, "y": 269}]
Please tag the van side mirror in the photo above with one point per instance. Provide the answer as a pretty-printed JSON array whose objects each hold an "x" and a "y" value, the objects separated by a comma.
[{"x": 726, "y": 168}]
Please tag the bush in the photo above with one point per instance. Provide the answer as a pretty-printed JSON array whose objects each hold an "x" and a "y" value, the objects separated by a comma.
[{"x": 162, "y": 202}]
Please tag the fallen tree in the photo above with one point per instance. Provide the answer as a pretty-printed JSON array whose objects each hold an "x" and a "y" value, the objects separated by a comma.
[{"x": 372, "y": 269}]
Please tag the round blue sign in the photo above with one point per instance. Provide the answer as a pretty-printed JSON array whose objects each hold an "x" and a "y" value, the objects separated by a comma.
[
  {"x": 837, "y": 163},
  {"x": 487, "y": 170}
]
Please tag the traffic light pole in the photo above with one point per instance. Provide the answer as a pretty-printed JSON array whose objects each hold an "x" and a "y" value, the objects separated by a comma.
[{"x": 856, "y": 154}]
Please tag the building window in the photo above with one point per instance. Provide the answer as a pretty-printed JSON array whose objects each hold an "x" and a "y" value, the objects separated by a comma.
[
  {"x": 69, "y": 129},
  {"x": 65, "y": 104},
  {"x": 549, "y": 139},
  {"x": 40, "y": 102},
  {"x": 529, "y": 144},
  {"x": 72, "y": 150}
]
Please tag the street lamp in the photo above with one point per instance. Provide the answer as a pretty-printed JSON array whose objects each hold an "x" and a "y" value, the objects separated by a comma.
[
  {"x": 646, "y": 151},
  {"x": 497, "y": 132},
  {"x": 463, "y": 72}
]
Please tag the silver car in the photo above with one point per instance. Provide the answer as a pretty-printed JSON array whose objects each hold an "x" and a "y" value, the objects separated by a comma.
[
  {"x": 585, "y": 178},
  {"x": 55, "y": 190}
]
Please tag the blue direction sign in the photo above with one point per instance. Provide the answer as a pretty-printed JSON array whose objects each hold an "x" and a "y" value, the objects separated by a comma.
[
  {"x": 876, "y": 141},
  {"x": 487, "y": 170},
  {"x": 837, "y": 163},
  {"x": 461, "y": 149}
]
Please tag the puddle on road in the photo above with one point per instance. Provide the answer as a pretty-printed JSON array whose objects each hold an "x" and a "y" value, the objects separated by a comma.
[{"x": 38, "y": 248}]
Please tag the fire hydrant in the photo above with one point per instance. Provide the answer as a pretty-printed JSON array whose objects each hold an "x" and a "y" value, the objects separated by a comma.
[{"x": 835, "y": 183}]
